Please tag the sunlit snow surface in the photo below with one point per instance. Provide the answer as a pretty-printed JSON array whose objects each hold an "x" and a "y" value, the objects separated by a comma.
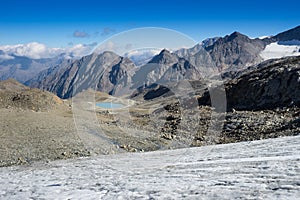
[
  {"x": 267, "y": 169},
  {"x": 281, "y": 49}
]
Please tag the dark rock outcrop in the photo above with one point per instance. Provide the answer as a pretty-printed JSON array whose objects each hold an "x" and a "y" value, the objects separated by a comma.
[
  {"x": 292, "y": 34},
  {"x": 267, "y": 87}
]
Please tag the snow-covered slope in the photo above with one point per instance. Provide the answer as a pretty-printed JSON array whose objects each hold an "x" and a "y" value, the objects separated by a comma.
[
  {"x": 267, "y": 169},
  {"x": 281, "y": 49}
]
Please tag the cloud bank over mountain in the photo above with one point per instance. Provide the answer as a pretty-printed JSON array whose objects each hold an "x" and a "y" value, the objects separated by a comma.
[{"x": 37, "y": 50}]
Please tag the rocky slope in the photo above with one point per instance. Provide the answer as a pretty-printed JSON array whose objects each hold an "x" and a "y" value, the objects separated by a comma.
[
  {"x": 233, "y": 51},
  {"x": 272, "y": 84},
  {"x": 35, "y": 125},
  {"x": 237, "y": 51},
  {"x": 111, "y": 73},
  {"x": 292, "y": 34},
  {"x": 262, "y": 102},
  {"x": 46, "y": 76},
  {"x": 165, "y": 68},
  {"x": 195, "y": 49},
  {"x": 93, "y": 71},
  {"x": 16, "y": 95}
]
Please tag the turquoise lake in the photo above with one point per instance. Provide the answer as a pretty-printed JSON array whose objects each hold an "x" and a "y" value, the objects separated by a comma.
[{"x": 109, "y": 105}]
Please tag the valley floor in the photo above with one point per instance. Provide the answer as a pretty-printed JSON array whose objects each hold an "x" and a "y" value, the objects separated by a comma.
[{"x": 266, "y": 169}]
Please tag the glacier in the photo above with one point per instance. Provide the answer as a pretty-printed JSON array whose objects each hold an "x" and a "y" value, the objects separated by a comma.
[{"x": 265, "y": 169}]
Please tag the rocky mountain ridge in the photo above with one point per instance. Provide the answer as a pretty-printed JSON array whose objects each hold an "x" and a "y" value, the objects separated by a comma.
[
  {"x": 229, "y": 55},
  {"x": 110, "y": 73}
]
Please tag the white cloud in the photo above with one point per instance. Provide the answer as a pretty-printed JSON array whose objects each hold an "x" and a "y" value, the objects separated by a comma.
[
  {"x": 32, "y": 50},
  {"x": 142, "y": 52},
  {"x": 142, "y": 56},
  {"x": 37, "y": 50},
  {"x": 107, "y": 46},
  {"x": 6, "y": 57},
  {"x": 78, "y": 50}
]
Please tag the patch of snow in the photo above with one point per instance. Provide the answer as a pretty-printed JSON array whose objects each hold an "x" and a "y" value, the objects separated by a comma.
[
  {"x": 279, "y": 50},
  {"x": 266, "y": 169},
  {"x": 264, "y": 37}
]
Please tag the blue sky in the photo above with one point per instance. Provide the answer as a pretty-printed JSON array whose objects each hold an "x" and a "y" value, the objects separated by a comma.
[{"x": 59, "y": 23}]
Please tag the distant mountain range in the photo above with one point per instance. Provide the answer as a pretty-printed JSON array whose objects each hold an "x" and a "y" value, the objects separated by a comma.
[
  {"x": 111, "y": 73},
  {"x": 24, "y": 68}
]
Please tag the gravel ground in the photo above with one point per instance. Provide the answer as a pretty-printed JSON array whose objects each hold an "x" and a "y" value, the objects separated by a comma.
[{"x": 28, "y": 136}]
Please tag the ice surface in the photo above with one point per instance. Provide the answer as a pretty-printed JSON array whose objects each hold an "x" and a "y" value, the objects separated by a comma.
[
  {"x": 266, "y": 169},
  {"x": 281, "y": 49}
]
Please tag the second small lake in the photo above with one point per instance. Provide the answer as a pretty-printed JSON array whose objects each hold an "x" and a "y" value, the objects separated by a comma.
[{"x": 109, "y": 105}]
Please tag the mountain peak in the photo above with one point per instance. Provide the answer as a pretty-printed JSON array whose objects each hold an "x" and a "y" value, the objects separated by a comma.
[
  {"x": 235, "y": 35},
  {"x": 164, "y": 57},
  {"x": 109, "y": 53},
  {"x": 164, "y": 52}
]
